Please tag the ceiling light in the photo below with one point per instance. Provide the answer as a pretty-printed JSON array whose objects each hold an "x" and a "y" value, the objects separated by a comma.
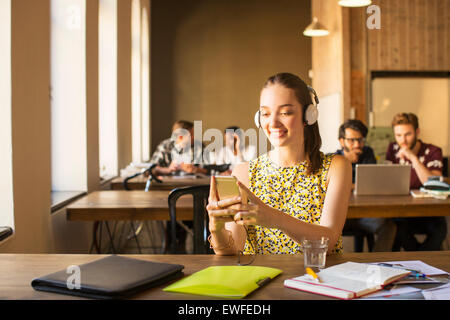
[
  {"x": 354, "y": 3},
  {"x": 315, "y": 29}
]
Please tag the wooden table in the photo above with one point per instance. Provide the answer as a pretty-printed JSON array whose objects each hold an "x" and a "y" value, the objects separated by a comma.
[
  {"x": 153, "y": 205},
  {"x": 168, "y": 183},
  {"x": 118, "y": 205},
  {"x": 122, "y": 205},
  {"x": 17, "y": 271},
  {"x": 396, "y": 207}
]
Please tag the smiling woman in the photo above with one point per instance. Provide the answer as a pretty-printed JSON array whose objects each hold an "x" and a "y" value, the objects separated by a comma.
[{"x": 295, "y": 191}]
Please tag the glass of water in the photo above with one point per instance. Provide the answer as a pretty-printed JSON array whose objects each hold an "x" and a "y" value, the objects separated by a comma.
[{"x": 315, "y": 252}]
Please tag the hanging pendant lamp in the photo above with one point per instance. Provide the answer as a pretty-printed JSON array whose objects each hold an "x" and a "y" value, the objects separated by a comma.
[
  {"x": 315, "y": 29},
  {"x": 354, "y": 3}
]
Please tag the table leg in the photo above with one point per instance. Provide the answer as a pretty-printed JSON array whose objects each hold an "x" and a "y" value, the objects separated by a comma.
[
  {"x": 135, "y": 237},
  {"x": 94, "y": 238}
]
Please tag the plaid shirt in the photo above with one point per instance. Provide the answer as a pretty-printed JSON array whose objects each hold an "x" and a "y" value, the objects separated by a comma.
[{"x": 167, "y": 151}]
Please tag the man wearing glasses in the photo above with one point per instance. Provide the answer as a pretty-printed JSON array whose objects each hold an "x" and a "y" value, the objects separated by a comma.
[{"x": 352, "y": 135}]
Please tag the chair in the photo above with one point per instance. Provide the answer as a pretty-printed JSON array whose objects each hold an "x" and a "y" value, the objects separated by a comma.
[
  {"x": 200, "y": 224},
  {"x": 358, "y": 236}
]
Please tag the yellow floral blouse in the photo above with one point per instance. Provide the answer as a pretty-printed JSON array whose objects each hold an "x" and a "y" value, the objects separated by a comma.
[{"x": 292, "y": 191}]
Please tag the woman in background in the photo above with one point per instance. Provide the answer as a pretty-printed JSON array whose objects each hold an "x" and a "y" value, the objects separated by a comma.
[
  {"x": 235, "y": 151},
  {"x": 294, "y": 190}
]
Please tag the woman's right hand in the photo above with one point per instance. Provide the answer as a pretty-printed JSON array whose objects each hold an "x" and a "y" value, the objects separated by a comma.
[{"x": 220, "y": 211}]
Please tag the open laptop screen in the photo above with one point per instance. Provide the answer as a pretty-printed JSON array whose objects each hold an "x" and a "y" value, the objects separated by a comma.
[{"x": 382, "y": 179}]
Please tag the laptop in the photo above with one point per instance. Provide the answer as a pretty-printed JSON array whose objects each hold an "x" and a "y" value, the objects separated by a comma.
[{"x": 382, "y": 179}]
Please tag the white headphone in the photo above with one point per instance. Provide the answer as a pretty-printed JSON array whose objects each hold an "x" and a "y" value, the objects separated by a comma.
[{"x": 311, "y": 113}]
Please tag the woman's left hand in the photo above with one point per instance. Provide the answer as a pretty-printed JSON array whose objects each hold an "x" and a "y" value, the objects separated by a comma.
[{"x": 255, "y": 212}]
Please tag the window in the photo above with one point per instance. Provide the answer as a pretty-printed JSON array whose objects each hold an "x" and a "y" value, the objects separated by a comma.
[
  {"x": 68, "y": 95},
  {"x": 140, "y": 74},
  {"x": 145, "y": 91},
  {"x": 107, "y": 53},
  {"x": 6, "y": 185}
]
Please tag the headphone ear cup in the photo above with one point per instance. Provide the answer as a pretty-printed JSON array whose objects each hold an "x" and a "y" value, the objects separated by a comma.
[
  {"x": 257, "y": 119},
  {"x": 311, "y": 114}
]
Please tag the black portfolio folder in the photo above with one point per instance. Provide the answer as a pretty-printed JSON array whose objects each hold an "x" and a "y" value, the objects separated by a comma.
[{"x": 112, "y": 277}]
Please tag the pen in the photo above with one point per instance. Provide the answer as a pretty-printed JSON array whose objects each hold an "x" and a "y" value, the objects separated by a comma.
[
  {"x": 312, "y": 274},
  {"x": 414, "y": 273}
]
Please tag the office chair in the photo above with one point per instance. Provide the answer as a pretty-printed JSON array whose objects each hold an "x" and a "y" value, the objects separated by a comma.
[
  {"x": 358, "y": 235},
  {"x": 200, "y": 224}
]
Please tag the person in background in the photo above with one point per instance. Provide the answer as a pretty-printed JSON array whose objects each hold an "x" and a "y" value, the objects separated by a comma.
[
  {"x": 426, "y": 161},
  {"x": 234, "y": 151},
  {"x": 173, "y": 156},
  {"x": 352, "y": 135},
  {"x": 295, "y": 191},
  {"x": 177, "y": 153}
]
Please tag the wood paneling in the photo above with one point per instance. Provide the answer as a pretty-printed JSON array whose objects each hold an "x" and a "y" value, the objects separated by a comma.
[
  {"x": 358, "y": 62},
  {"x": 414, "y": 36}
]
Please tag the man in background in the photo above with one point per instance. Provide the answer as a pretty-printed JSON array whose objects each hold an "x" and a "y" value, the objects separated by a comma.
[
  {"x": 352, "y": 135},
  {"x": 426, "y": 161},
  {"x": 177, "y": 153}
]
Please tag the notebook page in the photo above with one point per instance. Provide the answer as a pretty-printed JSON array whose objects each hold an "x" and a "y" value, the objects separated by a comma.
[
  {"x": 419, "y": 266},
  {"x": 332, "y": 282},
  {"x": 439, "y": 293},
  {"x": 365, "y": 273}
]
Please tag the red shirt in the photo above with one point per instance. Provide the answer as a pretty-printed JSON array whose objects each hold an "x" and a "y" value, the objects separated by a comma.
[{"x": 429, "y": 155}]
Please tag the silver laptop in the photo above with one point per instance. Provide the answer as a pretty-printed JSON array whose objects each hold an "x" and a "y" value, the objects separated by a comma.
[{"x": 382, "y": 179}]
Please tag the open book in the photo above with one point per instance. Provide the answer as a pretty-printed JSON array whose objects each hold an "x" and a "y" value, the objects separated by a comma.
[{"x": 348, "y": 280}]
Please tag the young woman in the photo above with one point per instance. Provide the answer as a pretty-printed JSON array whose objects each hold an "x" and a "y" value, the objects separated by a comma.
[{"x": 294, "y": 191}]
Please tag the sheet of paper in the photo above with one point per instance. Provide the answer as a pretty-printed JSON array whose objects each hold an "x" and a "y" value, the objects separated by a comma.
[
  {"x": 419, "y": 266},
  {"x": 392, "y": 292},
  {"x": 439, "y": 293}
]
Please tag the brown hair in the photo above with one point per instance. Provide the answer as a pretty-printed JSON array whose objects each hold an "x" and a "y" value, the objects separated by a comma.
[
  {"x": 312, "y": 140},
  {"x": 406, "y": 118},
  {"x": 353, "y": 124},
  {"x": 183, "y": 124}
]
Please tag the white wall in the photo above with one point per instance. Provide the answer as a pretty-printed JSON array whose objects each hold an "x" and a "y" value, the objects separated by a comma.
[
  {"x": 330, "y": 113},
  {"x": 428, "y": 98}
]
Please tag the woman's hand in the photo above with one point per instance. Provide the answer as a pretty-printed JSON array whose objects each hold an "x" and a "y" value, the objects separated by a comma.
[
  {"x": 220, "y": 211},
  {"x": 254, "y": 212}
]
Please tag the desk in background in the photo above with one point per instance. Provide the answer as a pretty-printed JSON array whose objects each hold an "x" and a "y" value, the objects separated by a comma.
[
  {"x": 121, "y": 205},
  {"x": 17, "y": 271},
  {"x": 168, "y": 183},
  {"x": 140, "y": 205},
  {"x": 396, "y": 207}
]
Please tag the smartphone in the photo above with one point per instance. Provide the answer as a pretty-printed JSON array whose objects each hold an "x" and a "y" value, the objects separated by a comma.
[{"x": 227, "y": 188}]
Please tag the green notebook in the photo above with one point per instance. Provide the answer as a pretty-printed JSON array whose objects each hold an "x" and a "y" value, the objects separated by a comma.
[{"x": 225, "y": 281}]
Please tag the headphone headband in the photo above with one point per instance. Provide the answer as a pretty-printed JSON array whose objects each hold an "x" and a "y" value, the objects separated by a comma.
[{"x": 311, "y": 112}]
